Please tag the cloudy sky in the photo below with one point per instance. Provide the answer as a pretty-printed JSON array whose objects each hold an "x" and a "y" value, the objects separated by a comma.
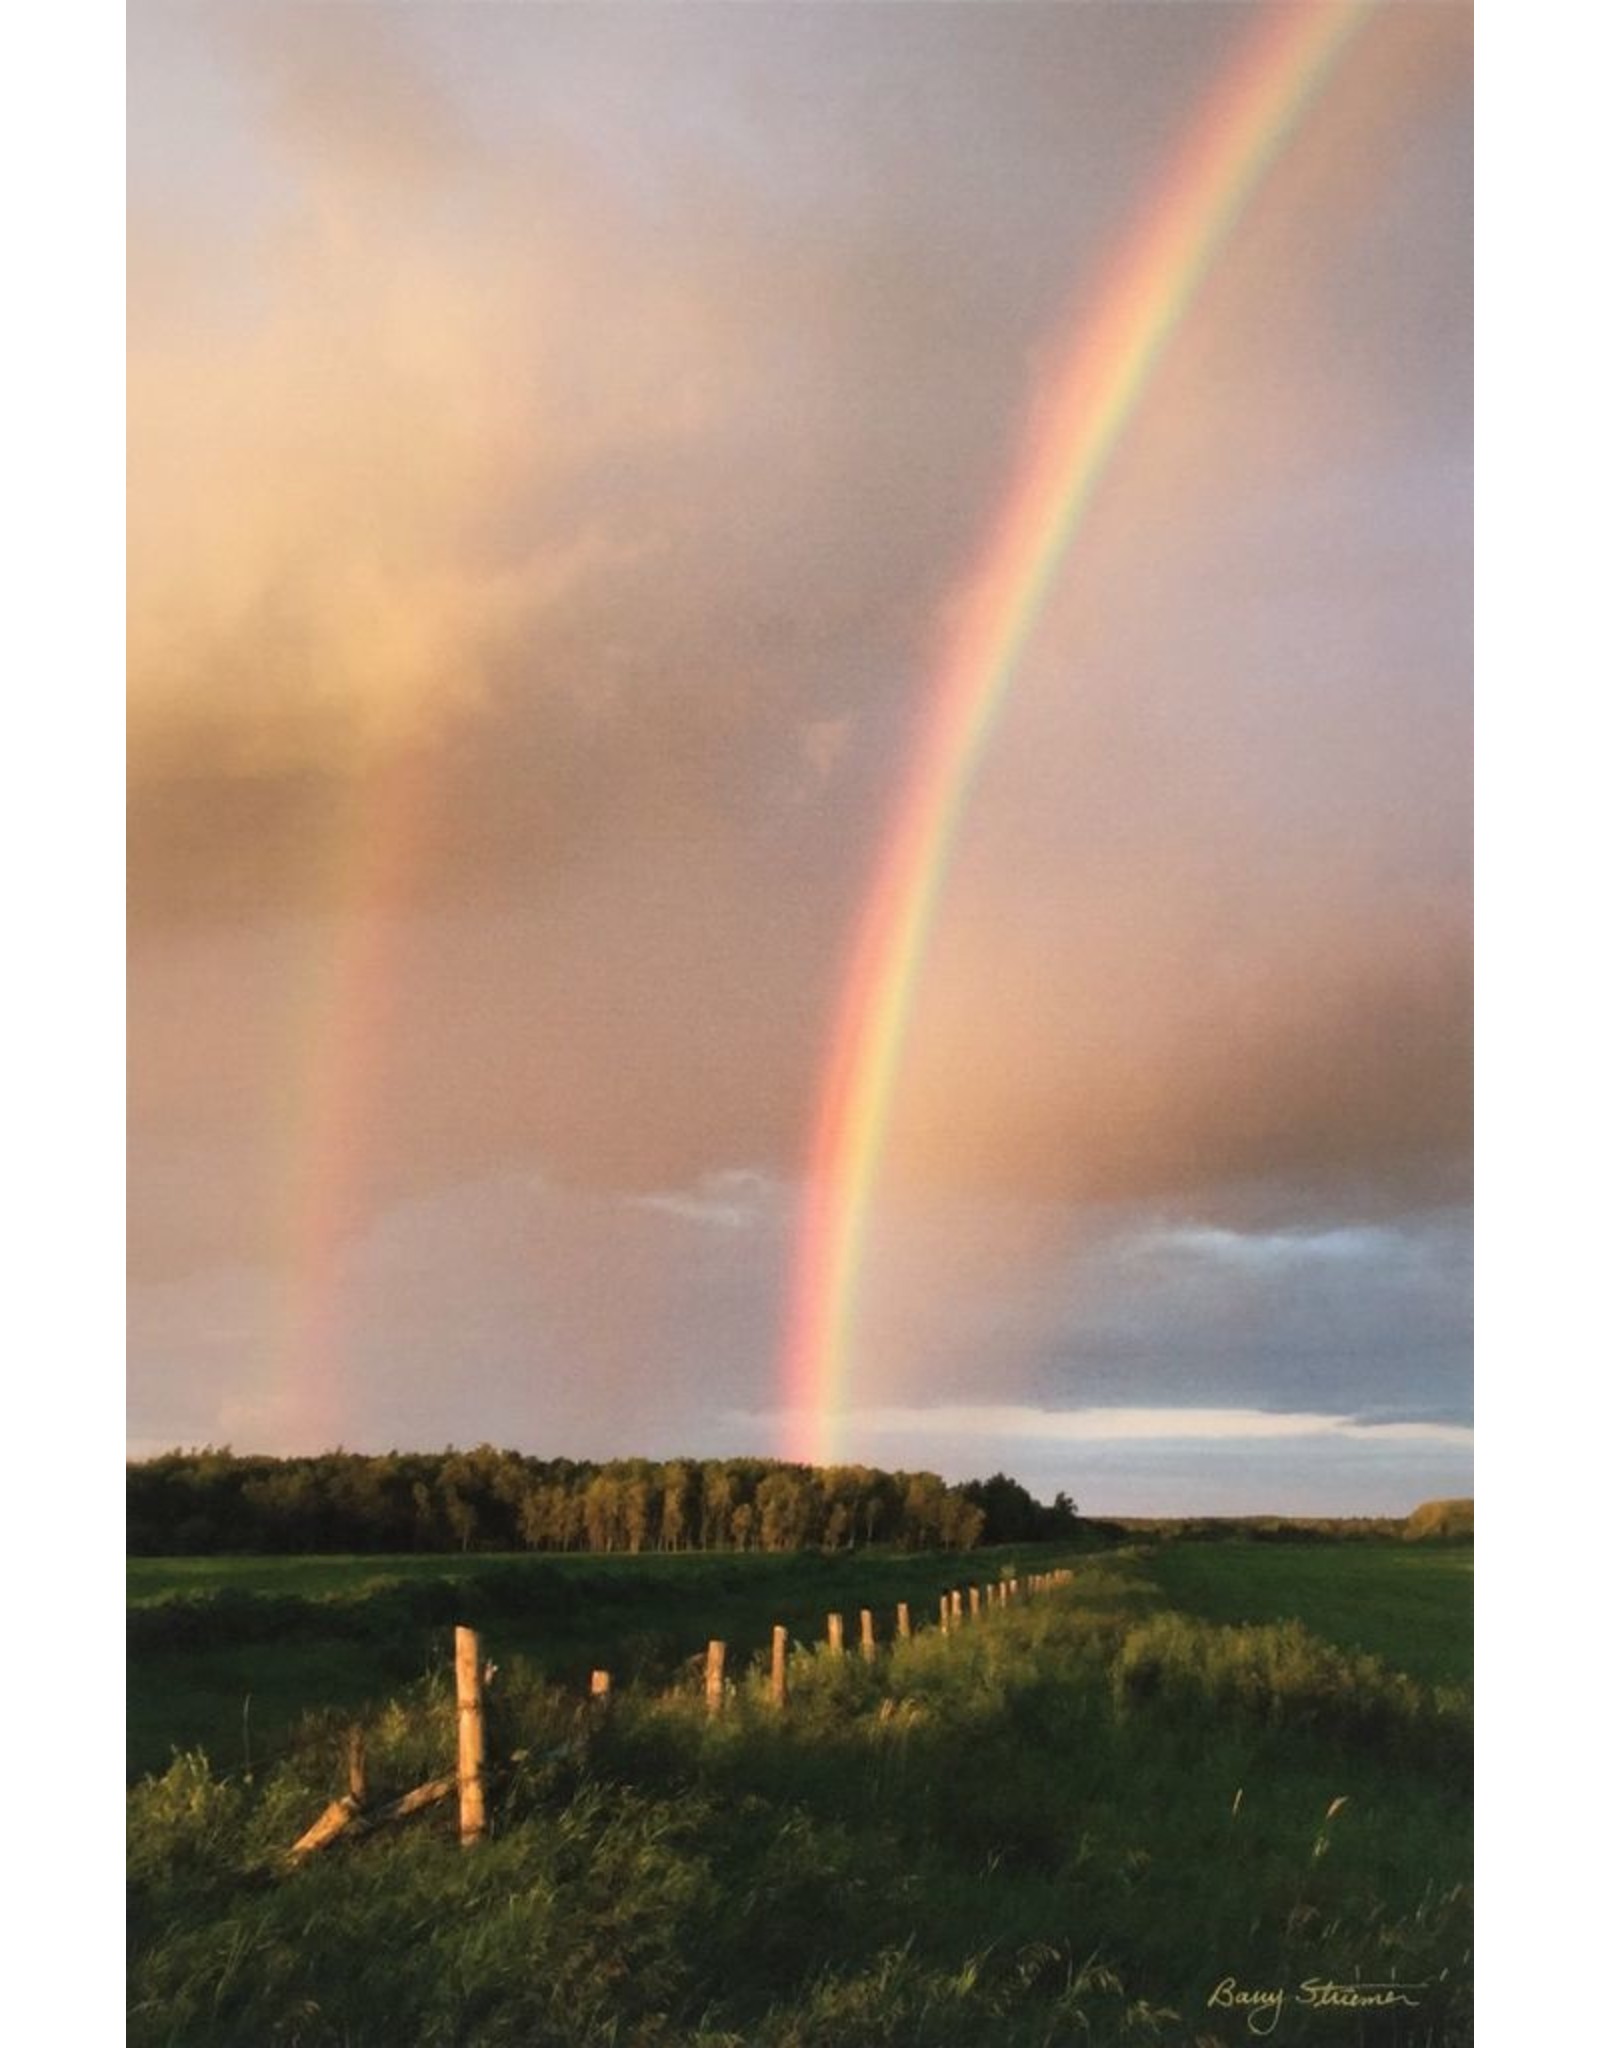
[{"x": 556, "y": 435}]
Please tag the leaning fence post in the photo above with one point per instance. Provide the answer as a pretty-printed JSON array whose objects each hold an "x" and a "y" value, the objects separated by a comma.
[
  {"x": 469, "y": 1736},
  {"x": 780, "y": 1666},
  {"x": 716, "y": 1657},
  {"x": 836, "y": 1634},
  {"x": 902, "y": 1621}
]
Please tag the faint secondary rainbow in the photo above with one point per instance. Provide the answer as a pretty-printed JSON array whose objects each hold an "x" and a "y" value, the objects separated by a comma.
[
  {"x": 346, "y": 1020},
  {"x": 1075, "y": 431}
]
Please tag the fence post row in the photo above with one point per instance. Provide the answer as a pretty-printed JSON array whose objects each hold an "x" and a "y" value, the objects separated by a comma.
[{"x": 469, "y": 1780}]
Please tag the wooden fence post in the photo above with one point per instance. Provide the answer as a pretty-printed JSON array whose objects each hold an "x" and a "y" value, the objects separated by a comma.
[
  {"x": 902, "y": 1621},
  {"x": 469, "y": 1736},
  {"x": 356, "y": 1756},
  {"x": 836, "y": 1634},
  {"x": 780, "y": 1666},
  {"x": 954, "y": 1597},
  {"x": 716, "y": 1658},
  {"x": 869, "y": 1647},
  {"x": 974, "y": 1602},
  {"x": 600, "y": 1688}
]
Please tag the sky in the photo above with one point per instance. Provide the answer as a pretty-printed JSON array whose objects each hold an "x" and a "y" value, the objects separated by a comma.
[{"x": 557, "y": 437}]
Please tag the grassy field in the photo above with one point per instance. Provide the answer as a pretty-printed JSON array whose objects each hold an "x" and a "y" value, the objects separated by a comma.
[
  {"x": 1070, "y": 1822},
  {"x": 1410, "y": 1603},
  {"x": 225, "y": 1654}
]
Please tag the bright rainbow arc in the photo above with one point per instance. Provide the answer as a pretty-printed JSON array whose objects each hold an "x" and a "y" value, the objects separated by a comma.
[{"x": 1076, "y": 431}]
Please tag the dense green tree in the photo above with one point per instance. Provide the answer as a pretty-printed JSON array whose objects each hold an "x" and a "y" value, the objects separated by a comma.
[{"x": 487, "y": 1499}]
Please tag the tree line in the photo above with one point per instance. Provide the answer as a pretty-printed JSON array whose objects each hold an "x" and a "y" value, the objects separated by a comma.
[{"x": 202, "y": 1502}]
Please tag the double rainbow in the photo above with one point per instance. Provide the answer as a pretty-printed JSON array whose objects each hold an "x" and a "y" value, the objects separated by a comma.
[{"x": 1075, "y": 432}]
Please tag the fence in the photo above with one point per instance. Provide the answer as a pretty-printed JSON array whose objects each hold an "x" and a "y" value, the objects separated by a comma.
[{"x": 352, "y": 1814}]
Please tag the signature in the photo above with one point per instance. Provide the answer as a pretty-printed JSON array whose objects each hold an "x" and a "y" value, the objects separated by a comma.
[{"x": 1263, "y": 2006}]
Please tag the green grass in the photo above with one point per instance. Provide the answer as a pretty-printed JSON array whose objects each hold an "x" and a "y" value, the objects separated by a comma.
[
  {"x": 289, "y": 1634},
  {"x": 1064, "y": 1824},
  {"x": 152, "y": 1579},
  {"x": 1408, "y": 1603}
]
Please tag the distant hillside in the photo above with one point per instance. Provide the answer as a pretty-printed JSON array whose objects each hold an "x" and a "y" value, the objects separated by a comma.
[{"x": 1440, "y": 1521}]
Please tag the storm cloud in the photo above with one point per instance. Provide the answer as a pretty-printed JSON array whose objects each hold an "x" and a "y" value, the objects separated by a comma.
[{"x": 557, "y": 438}]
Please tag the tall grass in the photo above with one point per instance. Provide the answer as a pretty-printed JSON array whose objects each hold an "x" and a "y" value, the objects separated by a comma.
[
  {"x": 1063, "y": 1824},
  {"x": 348, "y": 1631}
]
